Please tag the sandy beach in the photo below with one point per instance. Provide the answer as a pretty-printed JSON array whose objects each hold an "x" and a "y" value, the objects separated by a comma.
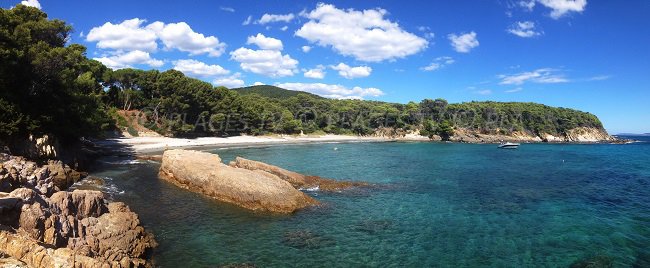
[{"x": 156, "y": 144}]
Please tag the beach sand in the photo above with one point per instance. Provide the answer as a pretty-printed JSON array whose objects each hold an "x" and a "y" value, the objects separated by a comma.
[{"x": 157, "y": 144}]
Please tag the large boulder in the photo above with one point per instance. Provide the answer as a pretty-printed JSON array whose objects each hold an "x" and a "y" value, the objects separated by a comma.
[
  {"x": 258, "y": 190},
  {"x": 298, "y": 180}
]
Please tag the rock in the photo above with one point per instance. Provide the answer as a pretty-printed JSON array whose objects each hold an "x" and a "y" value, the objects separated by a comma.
[
  {"x": 299, "y": 181},
  {"x": 80, "y": 203},
  {"x": 41, "y": 226},
  {"x": 63, "y": 176},
  {"x": 204, "y": 173},
  {"x": 9, "y": 262},
  {"x": 594, "y": 262},
  {"x": 155, "y": 158},
  {"x": 305, "y": 239},
  {"x": 374, "y": 226}
]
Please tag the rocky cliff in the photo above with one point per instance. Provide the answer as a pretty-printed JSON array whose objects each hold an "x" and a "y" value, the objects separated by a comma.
[
  {"x": 256, "y": 190},
  {"x": 41, "y": 225},
  {"x": 580, "y": 134}
]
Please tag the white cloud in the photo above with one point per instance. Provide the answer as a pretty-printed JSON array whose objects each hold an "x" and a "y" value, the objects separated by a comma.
[
  {"x": 258, "y": 84},
  {"x": 131, "y": 35},
  {"x": 599, "y": 78},
  {"x": 127, "y": 35},
  {"x": 316, "y": 73},
  {"x": 284, "y": 28},
  {"x": 524, "y": 29},
  {"x": 31, "y": 3},
  {"x": 127, "y": 60},
  {"x": 268, "y": 18},
  {"x": 196, "y": 68},
  {"x": 248, "y": 20},
  {"x": 227, "y": 9},
  {"x": 364, "y": 35},
  {"x": 463, "y": 43},
  {"x": 428, "y": 34},
  {"x": 527, "y": 4},
  {"x": 438, "y": 63},
  {"x": 265, "y": 62},
  {"x": 563, "y": 7},
  {"x": 232, "y": 81},
  {"x": 542, "y": 76},
  {"x": 306, "y": 49},
  {"x": 264, "y": 42},
  {"x": 483, "y": 92},
  {"x": 517, "y": 89},
  {"x": 180, "y": 36},
  {"x": 333, "y": 91},
  {"x": 352, "y": 72}
]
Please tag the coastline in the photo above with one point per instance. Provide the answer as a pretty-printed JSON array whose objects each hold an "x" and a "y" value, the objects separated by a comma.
[
  {"x": 152, "y": 145},
  {"x": 149, "y": 145}
]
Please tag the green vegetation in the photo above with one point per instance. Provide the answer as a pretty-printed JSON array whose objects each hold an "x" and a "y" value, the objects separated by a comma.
[
  {"x": 271, "y": 92},
  {"x": 47, "y": 87}
]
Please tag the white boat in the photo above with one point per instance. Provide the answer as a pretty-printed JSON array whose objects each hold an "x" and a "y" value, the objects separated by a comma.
[{"x": 508, "y": 145}]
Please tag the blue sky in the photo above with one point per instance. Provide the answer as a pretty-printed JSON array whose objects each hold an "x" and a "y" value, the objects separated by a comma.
[{"x": 583, "y": 54}]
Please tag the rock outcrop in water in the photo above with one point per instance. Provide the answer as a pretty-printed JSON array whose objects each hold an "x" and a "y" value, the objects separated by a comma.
[
  {"x": 257, "y": 190},
  {"x": 298, "y": 180},
  {"x": 42, "y": 226}
]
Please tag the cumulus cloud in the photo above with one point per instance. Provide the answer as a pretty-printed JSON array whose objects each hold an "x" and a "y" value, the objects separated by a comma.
[
  {"x": 351, "y": 72},
  {"x": 438, "y": 63},
  {"x": 127, "y": 60},
  {"x": 542, "y": 76},
  {"x": 264, "y": 42},
  {"x": 269, "y": 18},
  {"x": 560, "y": 8},
  {"x": 265, "y": 62},
  {"x": 316, "y": 73},
  {"x": 132, "y": 35},
  {"x": 196, "y": 68},
  {"x": 180, "y": 36},
  {"x": 31, "y": 3},
  {"x": 333, "y": 91},
  {"x": 524, "y": 29},
  {"x": 232, "y": 81},
  {"x": 364, "y": 35},
  {"x": 258, "y": 84},
  {"x": 306, "y": 49},
  {"x": 127, "y": 35},
  {"x": 463, "y": 43}
]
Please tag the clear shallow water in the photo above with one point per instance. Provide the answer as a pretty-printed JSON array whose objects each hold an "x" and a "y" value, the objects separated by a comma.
[{"x": 435, "y": 205}]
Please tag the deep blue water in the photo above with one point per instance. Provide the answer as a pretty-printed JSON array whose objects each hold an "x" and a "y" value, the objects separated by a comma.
[{"x": 433, "y": 205}]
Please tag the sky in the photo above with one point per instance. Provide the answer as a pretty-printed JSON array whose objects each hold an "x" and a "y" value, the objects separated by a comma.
[{"x": 583, "y": 54}]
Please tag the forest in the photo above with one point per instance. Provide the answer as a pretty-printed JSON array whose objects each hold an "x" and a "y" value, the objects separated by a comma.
[{"x": 50, "y": 87}]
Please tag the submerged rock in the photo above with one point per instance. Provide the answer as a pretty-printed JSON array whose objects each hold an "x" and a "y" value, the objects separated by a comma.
[
  {"x": 374, "y": 226},
  {"x": 594, "y": 262},
  {"x": 298, "y": 180},
  {"x": 305, "y": 239},
  {"x": 257, "y": 190}
]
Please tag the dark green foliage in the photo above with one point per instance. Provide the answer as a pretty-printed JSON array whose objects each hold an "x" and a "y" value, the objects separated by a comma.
[
  {"x": 46, "y": 87},
  {"x": 271, "y": 92}
]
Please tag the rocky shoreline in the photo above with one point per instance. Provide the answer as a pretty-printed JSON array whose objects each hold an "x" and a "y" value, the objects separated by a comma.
[{"x": 43, "y": 225}]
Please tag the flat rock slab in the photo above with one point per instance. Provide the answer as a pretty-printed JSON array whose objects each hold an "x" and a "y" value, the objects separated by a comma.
[{"x": 257, "y": 190}]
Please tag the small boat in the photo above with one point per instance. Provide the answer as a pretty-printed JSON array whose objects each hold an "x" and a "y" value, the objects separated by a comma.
[{"x": 508, "y": 145}]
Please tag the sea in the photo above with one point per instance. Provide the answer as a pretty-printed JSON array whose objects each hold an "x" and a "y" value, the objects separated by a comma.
[{"x": 429, "y": 205}]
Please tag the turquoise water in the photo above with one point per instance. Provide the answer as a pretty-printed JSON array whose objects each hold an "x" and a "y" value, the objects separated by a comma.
[{"x": 433, "y": 205}]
